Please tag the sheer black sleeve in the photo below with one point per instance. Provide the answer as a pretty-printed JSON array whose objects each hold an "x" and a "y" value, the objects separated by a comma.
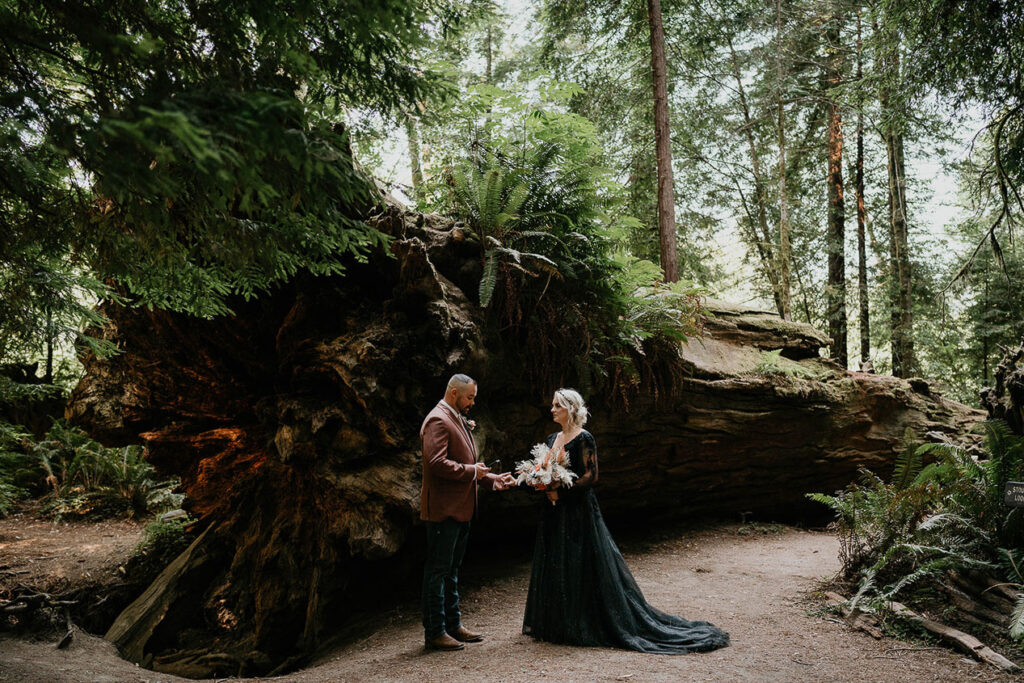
[
  {"x": 588, "y": 452},
  {"x": 583, "y": 461}
]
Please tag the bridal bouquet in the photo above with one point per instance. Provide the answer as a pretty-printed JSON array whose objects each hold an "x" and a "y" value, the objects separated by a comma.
[{"x": 546, "y": 470}]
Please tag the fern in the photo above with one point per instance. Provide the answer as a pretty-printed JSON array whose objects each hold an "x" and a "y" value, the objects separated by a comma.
[
  {"x": 907, "y": 467},
  {"x": 1017, "y": 620},
  {"x": 930, "y": 519},
  {"x": 515, "y": 200},
  {"x": 867, "y": 585},
  {"x": 489, "y": 280},
  {"x": 830, "y": 501}
]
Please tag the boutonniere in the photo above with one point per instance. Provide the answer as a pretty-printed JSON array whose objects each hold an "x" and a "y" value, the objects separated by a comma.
[{"x": 471, "y": 424}]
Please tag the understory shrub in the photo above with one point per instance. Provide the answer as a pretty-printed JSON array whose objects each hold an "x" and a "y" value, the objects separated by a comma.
[
  {"x": 74, "y": 475},
  {"x": 162, "y": 542},
  {"x": 942, "y": 512}
]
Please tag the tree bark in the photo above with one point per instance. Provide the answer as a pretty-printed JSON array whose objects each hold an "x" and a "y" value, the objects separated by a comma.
[
  {"x": 1005, "y": 400},
  {"x": 663, "y": 145},
  {"x": 900, "y": 299},
  {"x": 862, "y": 264},
  {"x": 413, "y": 136},
  {"x": 903, "y": 361},
  {"x": 985, "y": 336},
  {"x": 785, "y": 252},
  {"x": 489, "y": 69},
  {"x": 836, "y": 235},
  {"x": 48, "y": 377}
]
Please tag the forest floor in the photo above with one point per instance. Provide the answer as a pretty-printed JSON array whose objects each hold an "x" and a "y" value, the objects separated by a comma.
[
  {"x": 54, "y": 557},
  {"x": 759, "y": 582}
]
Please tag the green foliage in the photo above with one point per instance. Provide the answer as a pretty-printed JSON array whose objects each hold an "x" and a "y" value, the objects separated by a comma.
[
  {"x": 931, "y": 519},
  {"x": 971, "y": 52},
  {"x": 18, "y": 393},
  {"x": 963, "y": 332},
  {"x": 528, "y": 178},
  {"x": 163, "y": 541},
  {"x": 1017, "y": 620},
  {"x": 179, "y": 154},
  {"x": 18, "y": 471},
  {"x": 78, "y": 476},
  {"x": 492, "y": 208},
  {"x": 655, "y": 309},
  {"x": 773, "y": 363},
  {"x": 908, "y": 462}
]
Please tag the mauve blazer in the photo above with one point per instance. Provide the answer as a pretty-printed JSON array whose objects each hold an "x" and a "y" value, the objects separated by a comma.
[{"x": 449, "y": 456}]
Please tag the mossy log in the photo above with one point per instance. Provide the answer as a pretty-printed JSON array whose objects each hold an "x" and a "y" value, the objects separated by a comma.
[{"x": 293, "y": 426}]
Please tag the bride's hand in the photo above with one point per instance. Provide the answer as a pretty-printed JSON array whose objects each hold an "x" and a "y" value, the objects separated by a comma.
[{"x": 552, "y": 495}]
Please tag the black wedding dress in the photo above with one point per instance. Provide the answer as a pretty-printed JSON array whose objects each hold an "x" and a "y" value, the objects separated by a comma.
[{"x": 582, "y": 592}]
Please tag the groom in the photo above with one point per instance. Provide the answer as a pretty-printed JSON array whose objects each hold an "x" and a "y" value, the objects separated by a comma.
[{"x": 451, "y": 474}]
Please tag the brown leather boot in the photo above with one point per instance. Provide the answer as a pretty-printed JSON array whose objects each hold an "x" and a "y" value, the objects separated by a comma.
[
  {"x": 464, "y": 635},
  {"x": 443, "y": 642}
]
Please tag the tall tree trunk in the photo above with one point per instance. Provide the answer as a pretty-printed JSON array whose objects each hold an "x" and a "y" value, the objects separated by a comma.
[
  {"x": 836, "y": 237},
  {"x": 485, "y": 136},
  {"x": 489, "y": 73},
  {"x": 803, "y": 296},
  {"x": 984, "y": 337},
  {"x": 764, "y": 242},
  {"x": 862, "y": 263},
  {"x": 785, "y": 252},
  {"x": 903, "y": 362},
  {"x": 900, "y": 301},
  {"x": 413, "y": 136},
  {"x": 49, "y": 348},
  {"x": 662, "y": 140}
]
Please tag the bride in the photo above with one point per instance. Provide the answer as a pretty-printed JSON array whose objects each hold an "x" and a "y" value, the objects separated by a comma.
[{"x": 581, "y": 591}]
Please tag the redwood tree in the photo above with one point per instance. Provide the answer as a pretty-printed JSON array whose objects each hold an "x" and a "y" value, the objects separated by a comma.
[
  {"x": 836, "y": 235},
  {"x": 862, "y": 266},
  {"x": 900, "y": 302},
  {"x": 663, "y": 145}
]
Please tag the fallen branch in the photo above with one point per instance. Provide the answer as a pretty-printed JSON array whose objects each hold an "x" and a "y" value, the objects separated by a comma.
[
  {"x": 854, "y": 618},
  {"x": 971, "y": 606},
  {"x": 1006, "y": 590},
  {"x": 964, "y": 641},
  {"x": 997, "y": 595}
]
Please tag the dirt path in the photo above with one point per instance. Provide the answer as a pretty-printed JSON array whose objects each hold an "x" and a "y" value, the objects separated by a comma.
[
  {"x": 55, "y": 556},
  {"x": 758, "y": 586}
]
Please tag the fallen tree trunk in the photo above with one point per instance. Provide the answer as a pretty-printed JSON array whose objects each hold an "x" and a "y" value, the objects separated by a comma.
[
  {"x": 293, "y": 426},
  {"x": 963, "y": 641}
]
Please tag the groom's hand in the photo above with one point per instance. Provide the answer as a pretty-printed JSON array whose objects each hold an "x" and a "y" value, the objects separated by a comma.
[{"x": 481, "y": 470}]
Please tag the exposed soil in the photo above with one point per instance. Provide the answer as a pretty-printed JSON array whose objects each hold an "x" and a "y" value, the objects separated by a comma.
[
  {"x": 55, "y": 557},
  {"x": 758, "y": 582}
]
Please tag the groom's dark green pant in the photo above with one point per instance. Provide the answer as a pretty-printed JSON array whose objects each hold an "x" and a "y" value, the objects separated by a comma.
[{"x": 446, "y": 544}]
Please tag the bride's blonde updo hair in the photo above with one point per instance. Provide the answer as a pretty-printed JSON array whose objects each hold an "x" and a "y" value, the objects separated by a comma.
[{"x": 571, "y": 400}]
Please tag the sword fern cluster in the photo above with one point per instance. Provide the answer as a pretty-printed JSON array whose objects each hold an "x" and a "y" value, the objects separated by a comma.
[
  {"x": 942, "y": 511},
  {"x": 77, "y": 476}
]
